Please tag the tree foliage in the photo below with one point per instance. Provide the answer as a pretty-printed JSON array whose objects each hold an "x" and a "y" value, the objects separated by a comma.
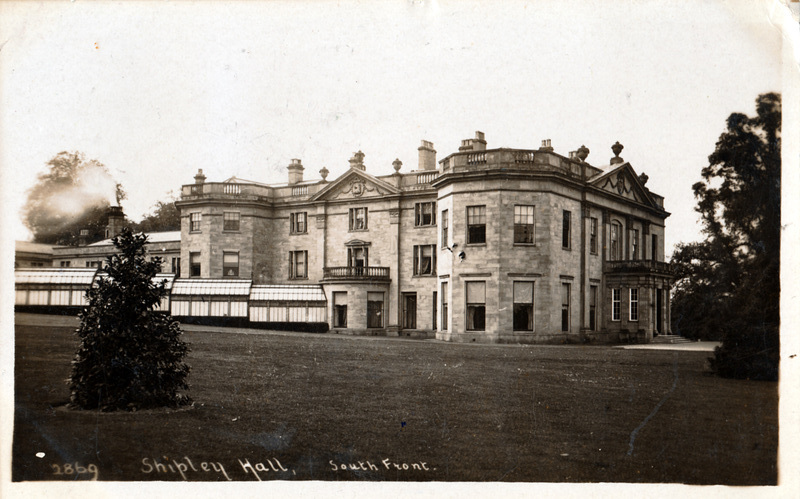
[
  {"x": 728, "y": 286},
  {"x": 130, "y": 356},
  {"x": 73, "y": 194},
  {"x": 164, "y": 217}
]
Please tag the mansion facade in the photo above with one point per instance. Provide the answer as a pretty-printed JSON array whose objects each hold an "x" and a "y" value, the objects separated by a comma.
[{"x": 485, "y": 245}]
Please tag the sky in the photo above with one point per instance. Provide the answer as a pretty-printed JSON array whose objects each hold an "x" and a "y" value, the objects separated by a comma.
[{"x": 156, "y": 90}]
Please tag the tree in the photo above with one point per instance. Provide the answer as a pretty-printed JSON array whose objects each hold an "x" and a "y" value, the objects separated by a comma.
[
  {"x": 72, "y": 195},
  {"x": 164, "y": 217},
  {"x": 130, "y": 356},
  {"x": 729, "y": 284}
]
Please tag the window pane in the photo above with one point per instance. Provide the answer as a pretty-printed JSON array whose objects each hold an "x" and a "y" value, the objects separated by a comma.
[
  {"x": 523, "y": 317},
  {"x": 476, "y": 292},
  {"x": 340, "y": 297},
  {"x": 476, "y": 317},
  {"x": 523, "y": 292}
]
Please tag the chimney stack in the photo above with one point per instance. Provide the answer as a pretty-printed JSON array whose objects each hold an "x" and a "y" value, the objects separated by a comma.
[
  {"x": 427, "y": 156},
  {"x": 295, "y": 172},
  {"x": 546, "y": 146},
  {"x": 476, "y": 144},
  {"x": 357, "y": 161},
  {"x": 116, "y": 221},
  {"x": 199, "y": 178}
]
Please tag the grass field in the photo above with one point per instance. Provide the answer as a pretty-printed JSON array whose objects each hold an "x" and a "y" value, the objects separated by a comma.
[{"x": 296, "y": 406}]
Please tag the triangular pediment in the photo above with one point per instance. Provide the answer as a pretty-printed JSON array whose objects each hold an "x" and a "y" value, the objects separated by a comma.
[
  {"x": 623, "y": 181},
  {"x": 355, "y": 184}
]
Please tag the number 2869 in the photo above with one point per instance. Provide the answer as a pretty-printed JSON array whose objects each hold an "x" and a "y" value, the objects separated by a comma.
[{"x": 75, "y": 469}]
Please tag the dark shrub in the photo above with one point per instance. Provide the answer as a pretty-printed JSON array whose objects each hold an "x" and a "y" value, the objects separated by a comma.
[{"x": 130, "y": 356}]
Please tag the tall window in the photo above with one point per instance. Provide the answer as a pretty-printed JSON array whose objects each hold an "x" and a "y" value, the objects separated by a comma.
[
  {"x": 634, "y": 305},
  {"x": 358, "y": 219},
  {"x": 176, "y": 266},
  {"x": 445, "y": 226},
  {"x": 340, "y": 309},
  {"x": 634, "y": 244},
  {"x": 230, "y": 221},
  {"x": 194, "y": 222},
  {"x": 476, "y": 224},
  {"x": 444, "y": 306},
  {"x": 654, "y": 254},
  {"x": 230, "y": 264},
  {"x": 593, "y": 308},
  {"x": 523, "y": 224},
  {"x": 298, "y": 264},
  {"x": 425, "y": 260},
  {"x": 616, "y": 230},
  {"x": 425, "y": 214},
  {"x": 298, "y": 223},
  {"x": 615, "y": 304},
  {"x": 194, "y": 264},
  {"x": 409, "y": 310},
  {"x": 593, "y": 235},
  {"x": 476, "y": 305},
  {"x": 565, "y": 306},
  {"x": 357, "y": 257},
  {"x": 435, "y": 309},
  {"x": 374, "y": 309},
  {"x": 523, "y": 306},
  {"x": 565, "y": 229}
]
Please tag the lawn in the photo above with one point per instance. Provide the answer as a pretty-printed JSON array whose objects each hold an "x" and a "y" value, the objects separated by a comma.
[{"x": 297, "y": 406}]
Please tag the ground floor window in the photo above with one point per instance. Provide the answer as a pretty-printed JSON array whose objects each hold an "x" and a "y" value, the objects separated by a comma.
[
  {"x": 565, "y": 288},
  {"x": 593, "y": 308},
  {"x": 476, "y": 306},
  {"x": 615, "y": 304},
  {"x": 634, "y": 304},
  {"x": 230, "y": 264},
  {"x": 444, "y": 306},
  {"x": 340, "y": 309},
  {"x": 523, "y": 306},
  {"x": 374, "y": 309},
  {"x": 409, "y": 310},
  {"x": 194, "y": 264},
  {"x": 435, "y": 298}
]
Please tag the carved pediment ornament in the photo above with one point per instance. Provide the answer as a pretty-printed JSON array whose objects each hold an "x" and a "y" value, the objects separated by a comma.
[
  {"x": 357, "y": 187},
  {"x": 621, "y": 183}
]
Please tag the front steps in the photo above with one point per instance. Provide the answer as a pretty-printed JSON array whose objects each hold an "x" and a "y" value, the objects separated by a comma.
[{"x": 670, "y": 339}]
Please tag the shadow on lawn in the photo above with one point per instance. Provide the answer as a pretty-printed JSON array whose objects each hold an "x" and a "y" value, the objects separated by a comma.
[{"x": 320, "y": 407}]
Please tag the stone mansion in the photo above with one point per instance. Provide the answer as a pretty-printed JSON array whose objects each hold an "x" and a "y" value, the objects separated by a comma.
[{"x": 485, "y": 245}]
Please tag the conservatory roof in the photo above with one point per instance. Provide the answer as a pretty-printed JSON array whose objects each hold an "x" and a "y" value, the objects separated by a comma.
[
  {"x": 287, "y": 293},
  {"x": 224, "y": 287},
  {"x": 55, "y": 276}
]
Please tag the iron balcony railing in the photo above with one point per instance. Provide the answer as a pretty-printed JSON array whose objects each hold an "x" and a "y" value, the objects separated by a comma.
[
  {"x": 637, "y": 266},
  {"x": 356, "y": 273}
]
